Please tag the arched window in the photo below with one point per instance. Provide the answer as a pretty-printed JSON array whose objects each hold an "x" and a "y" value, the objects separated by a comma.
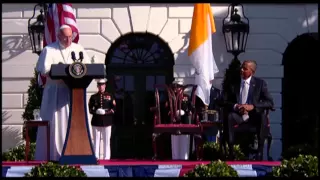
[{"x": 139, "y": 50}]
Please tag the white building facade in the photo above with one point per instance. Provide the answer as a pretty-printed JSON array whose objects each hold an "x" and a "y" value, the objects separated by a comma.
[{"x": 272, "y": 27}]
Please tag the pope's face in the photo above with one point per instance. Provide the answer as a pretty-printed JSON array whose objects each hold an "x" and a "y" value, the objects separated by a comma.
[{"x": 65, "y": 37}]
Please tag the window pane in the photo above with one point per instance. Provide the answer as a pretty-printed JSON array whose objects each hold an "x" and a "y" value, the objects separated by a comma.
[
  {"x": 118, "y": 85},
  {"x": 129, "y": 83},
  {"x": 161, "y": 80},
  {"x": 140, "y": 49},
  {"x": 150, "y": 83},
  {"x": 119, "y": 81}
]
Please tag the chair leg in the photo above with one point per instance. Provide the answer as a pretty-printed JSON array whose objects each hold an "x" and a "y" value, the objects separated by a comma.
[
  {"x": 154, "y": 145},
  {"x": 191, "y": 146},
  {"x": 259, "y": 156},
  {"x": 199, "y": 146},
  {"x": 223, "y": 146},
  {"x": 48, "y": 142},
  {"x": 269, "y": 141},
  {"x": 261, "y": 141},
  {"x": 220, "y": 147},
  {"x": 27, "y": 144}
]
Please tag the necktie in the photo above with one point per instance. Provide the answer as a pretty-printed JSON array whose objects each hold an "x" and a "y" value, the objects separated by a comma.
[
  {"x": 244, "y": 93},
  {"x": 244, "y": 97}
]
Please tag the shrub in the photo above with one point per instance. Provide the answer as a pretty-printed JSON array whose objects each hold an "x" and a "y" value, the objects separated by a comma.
[
  {"x": 294, "y": 151},
  {"x": 18, "y": 153},
  {"x": 301, "y": 166},
  {"x": 211, "y": 152},
  {"x": 51, "y": 169},
  {"x": 214, "y": 169},
  {"x": 34, "y": 98},
  {"x": 34, "y": 102}
]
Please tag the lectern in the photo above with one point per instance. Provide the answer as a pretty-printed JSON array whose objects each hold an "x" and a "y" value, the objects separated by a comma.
[{"x": 78, "y": 148}]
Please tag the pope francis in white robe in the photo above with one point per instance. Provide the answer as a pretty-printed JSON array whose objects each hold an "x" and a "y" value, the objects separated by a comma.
[{"x": 56, "y": 100}]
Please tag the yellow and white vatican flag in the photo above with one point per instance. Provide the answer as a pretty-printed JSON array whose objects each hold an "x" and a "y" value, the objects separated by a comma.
[{"x": 200, "y": 49}]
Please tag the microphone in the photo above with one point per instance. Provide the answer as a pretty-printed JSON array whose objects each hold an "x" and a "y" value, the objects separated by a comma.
[
  {"x": 81, "y": 55},
  {"x": 73, "y": 56}
]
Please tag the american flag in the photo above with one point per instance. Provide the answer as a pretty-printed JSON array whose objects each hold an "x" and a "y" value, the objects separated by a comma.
[{"x": 58, "y": 14}]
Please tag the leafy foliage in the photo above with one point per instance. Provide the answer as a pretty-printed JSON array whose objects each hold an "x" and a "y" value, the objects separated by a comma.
[
  {"x": 232, "y": 75},
  {"x": 303, "y": 149},
  {"x": 34, "y": 98},
  {"x": 211, "y": 152},
  {"x": 34, "y": 102},
  {"x": 214, "y": 169},
  {"x": 18, "y": 153},
  {"x": 301, "y": 166},
  {"x": 51, "y": 169}
]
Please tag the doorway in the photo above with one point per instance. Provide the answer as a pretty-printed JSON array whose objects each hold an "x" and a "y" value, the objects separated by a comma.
[
  {"x": 300, "y": 92},
  {"x": 135, "y": 62}
]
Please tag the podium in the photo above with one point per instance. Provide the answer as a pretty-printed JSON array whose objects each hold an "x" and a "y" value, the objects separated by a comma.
[{"x": 78, "y": 148}]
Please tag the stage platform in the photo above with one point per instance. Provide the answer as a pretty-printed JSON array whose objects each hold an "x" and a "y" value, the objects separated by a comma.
[{"x": 135, "y": 168}]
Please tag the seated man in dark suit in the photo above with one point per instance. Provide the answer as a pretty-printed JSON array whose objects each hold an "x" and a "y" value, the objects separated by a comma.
[{"x": 246, "y": 103}]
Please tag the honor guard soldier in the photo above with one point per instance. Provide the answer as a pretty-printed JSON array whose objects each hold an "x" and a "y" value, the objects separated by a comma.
[
  {"x": 102, "y": 107},
  {"x": 180, "y": 144}
]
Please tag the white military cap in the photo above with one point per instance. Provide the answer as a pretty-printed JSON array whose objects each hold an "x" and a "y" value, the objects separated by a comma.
[
  {"x": 102, "y": 81},
  {"x": 178, "y": 81}
]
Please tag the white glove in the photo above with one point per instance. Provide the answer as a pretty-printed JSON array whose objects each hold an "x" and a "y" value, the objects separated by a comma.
[
  {"x": 245, "y": 117},
  {"x": 181, "y": 112},
  {"x": 100, "y": 111}
]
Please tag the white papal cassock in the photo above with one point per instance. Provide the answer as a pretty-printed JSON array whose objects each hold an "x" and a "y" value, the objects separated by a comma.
[{"x": 55, "y": 100}]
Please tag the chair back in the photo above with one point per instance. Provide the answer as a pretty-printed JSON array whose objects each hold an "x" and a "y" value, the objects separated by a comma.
[{"x": 175, "y": 98}]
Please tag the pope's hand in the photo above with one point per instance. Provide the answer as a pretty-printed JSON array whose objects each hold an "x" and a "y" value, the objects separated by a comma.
[{"x": 100, "y": 111}]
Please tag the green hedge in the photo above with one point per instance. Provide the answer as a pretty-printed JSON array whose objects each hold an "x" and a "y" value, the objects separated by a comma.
[
  {"x": 51, "y": 169},
  {"x": 211, "y": 152},
  {"x": 301, "y": 166},
  {"x": 18, "y": 153},
  {"x": 303, "y": 149},
  {"x": 214, "y": 169}
]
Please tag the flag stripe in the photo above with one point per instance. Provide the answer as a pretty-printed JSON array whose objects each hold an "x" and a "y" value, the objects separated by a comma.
[
  {"x": 199, "y": 22},
  {"x": 56, "y": 21},
  {"x": 57, "y": 15},
  {"x": 68, "y": 8}
]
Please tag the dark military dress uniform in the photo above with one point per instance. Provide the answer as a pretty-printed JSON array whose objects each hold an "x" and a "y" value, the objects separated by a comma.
[
  {"x": 180, "y": 144},
  {"x": 101, "y": 106},
  {"x": 103, "y": 101},
  {"x": 186, "y": 106}
]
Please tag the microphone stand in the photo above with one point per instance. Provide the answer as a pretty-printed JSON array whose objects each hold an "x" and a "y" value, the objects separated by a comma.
[{"x": 80, "y": 58}]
